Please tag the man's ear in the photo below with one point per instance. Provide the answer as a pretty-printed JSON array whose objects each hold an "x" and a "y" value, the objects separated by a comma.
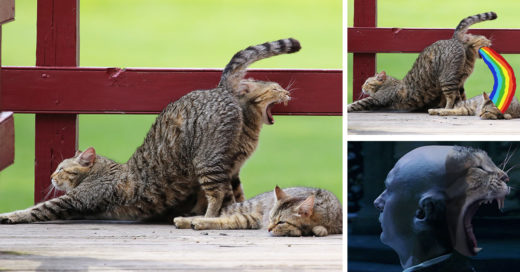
[{"x": 430, "y": 212}]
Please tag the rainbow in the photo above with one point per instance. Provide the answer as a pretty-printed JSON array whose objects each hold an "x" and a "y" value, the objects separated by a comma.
[{"x": 504, "y": 77}]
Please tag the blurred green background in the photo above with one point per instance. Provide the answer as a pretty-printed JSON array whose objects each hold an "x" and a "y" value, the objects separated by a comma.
[
  {"x": 439, "y": 14},
  {"x": 296, "y": 151}
]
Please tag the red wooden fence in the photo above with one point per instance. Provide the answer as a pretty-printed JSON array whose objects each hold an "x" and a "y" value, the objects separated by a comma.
[
  {"x": 57, "y": 90},
  {"x": 365, "y": 40},
  {"x": 6, "y": 118}
]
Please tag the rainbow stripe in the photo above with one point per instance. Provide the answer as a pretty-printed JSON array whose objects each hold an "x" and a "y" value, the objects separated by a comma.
[{"x": 504, "y": 77}]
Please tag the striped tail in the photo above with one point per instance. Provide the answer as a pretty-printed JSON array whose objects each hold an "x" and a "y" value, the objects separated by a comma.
[
  {"x": 236, "y": 68},
  {"x": 463, "y": 26}
]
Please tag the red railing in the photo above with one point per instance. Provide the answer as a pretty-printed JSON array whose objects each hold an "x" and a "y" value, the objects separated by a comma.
[
  {"x": 6, "y": 118},
  {"x": 57, "y": 90},
  {"x": 365, "y": 40}
]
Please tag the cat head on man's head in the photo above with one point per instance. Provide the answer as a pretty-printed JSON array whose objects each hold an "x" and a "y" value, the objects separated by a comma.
[
  {"x": 71, "y": 171},
  {"x": 290, "y": 215}
]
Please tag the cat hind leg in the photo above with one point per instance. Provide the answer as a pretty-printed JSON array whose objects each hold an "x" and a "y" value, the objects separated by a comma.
[{"x": 320, "y": 231}]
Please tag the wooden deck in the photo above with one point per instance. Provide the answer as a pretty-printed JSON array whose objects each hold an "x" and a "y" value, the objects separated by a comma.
[
  {"x": 386, "y": 123},
  {"x": 96, "y": 246}
]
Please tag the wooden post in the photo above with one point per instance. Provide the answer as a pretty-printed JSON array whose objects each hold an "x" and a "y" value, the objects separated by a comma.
[
  {"x": 364, "y": 64},
  {"x": 57, "y": 45},
  {"x": 6, "y": 118}
]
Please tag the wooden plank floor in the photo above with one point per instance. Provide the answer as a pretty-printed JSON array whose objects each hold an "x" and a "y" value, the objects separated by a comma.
[
  {"x": 386, "y": 123},
  {"x": 101, "y": 246}
]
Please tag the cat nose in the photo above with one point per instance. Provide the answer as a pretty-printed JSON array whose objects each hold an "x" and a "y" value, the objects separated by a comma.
[{"x": 504, "y": 178}]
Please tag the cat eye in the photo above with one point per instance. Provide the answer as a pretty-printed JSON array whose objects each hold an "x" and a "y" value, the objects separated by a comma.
[{"x": 481, "y": 168}]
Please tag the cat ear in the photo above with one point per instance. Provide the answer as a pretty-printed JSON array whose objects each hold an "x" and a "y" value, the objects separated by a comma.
[
  {"x": 381, "y": 76},
  {"x": 77, "y": 153},
  {"x": 306, "y": 207},
  {"x": 87, "y": 157},
  {"x": 244, "y": 87},
  {"x": 486, "y": 97},
  {"x": 279, "y": 193}
]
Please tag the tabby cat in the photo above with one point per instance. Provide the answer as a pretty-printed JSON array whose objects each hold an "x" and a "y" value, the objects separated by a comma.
[
  {"x": 297, "y": 211},
  {"x": 436, "y": 78},
  {"x": 482, "y": 106},
  {"x": 189, "y": 162}
]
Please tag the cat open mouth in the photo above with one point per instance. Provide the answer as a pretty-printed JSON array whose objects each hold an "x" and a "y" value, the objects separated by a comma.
[
  {"x": 470, "y": 211},
  {"x": 268, "y": 115}
]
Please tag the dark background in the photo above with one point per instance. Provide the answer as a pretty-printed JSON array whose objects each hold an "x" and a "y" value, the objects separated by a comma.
[{"x": 498, "y": 233}]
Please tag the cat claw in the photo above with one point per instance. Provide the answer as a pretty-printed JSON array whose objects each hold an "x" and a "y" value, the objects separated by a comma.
[{"x": 6, "y": 221}]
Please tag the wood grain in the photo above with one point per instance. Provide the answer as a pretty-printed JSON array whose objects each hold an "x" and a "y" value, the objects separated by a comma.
[
  {"x": 414, "y": 40},
  {"x": 57, "y": 44},
  {"x": 6, "y": 139},
  {"x": 6, "y": 11},
  {"x": 114, "y": 90},
  {"x": 364, "y": 64},
  {"x": 93, "y": 246},
  {"x": 398, "y": 123}
]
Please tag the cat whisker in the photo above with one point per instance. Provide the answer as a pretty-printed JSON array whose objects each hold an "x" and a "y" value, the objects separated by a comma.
[
  {"x": 360, "y": 95},
  {"x": 512, "y": 167},
  {"x": 49, "y": 191},
  {"x": 508, "y": 157},
  {"x": 290, "y": 87}
]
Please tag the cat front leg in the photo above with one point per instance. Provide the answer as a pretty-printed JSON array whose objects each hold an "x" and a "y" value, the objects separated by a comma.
[
  {"x": 233, "y": 221},
  {"x": 238, "y": 191},
  {"x": 365, "y": 104},
  {"x": 184, "y": 222},
  {"x": 54, "y": 209},
  {"x": 451, "y": 112},
  {"x": 217, "y": 189}
]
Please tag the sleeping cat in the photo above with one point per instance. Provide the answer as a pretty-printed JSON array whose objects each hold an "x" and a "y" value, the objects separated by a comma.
[
  {"x": 189, "y": 162},
  {"x": 482, "y": 106},
  {"x": 436, "y": 79},
  {"x": 297, "y": 211}
]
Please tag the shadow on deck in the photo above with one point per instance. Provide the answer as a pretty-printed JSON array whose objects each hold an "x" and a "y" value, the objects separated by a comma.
[
  {"x": 386, "y": 123},
  {"x": 90, "y": 245}
]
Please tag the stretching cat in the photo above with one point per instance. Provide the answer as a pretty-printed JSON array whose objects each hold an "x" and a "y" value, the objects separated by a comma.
[
  {"x": 294, "y": 211},
  {"x": 189, "y": 161},
  {"x": 436, "y": 78},
  {"x": 482, "y": 106}
]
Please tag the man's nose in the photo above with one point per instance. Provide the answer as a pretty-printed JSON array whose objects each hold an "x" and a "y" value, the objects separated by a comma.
[{"x": 379, "y": 203}]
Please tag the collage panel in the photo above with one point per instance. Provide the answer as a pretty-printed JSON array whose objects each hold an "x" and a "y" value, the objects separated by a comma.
[
  {"x": 433, "y": 206},
  {"x": 438, "y": 68}
]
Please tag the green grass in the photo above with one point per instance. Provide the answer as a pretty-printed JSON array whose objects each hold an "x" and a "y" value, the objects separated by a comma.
[
  {"x": 439, "y": 14},
  {"x": 296, "y": 151}
]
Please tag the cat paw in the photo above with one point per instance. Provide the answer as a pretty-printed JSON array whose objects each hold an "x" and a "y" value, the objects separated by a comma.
[
  {"x": 200, "y": 224},
  {"x": 182, "y": 222},
  {"x": 507, "y": 116},
  {"x": 6, "y": 220},
  {"x": 433, "y": 112},
  {"x": 320, "y": 231}
]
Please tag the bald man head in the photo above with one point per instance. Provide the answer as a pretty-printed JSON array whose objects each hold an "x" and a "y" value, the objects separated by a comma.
[{"x": 431, "y": 195}]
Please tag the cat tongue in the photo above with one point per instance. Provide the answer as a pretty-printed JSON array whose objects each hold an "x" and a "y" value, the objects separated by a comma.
[{"x": 269, "y": 114}]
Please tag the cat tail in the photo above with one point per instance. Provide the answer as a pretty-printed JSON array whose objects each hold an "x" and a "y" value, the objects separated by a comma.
[
  {"x": 236, "y": 68},
  {"x": 463, "y": 26}
]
